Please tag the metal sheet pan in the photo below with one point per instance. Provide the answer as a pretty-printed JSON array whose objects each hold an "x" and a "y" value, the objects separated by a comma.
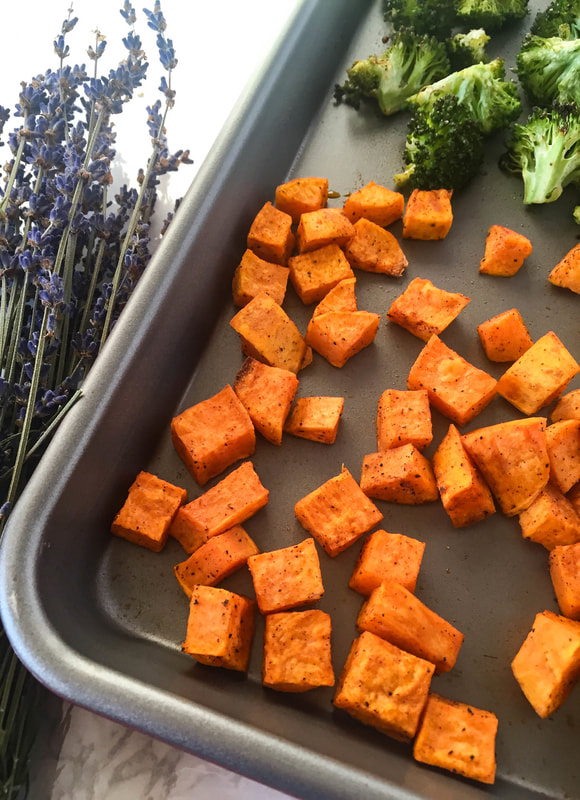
[{"x": 101, "y": 622}]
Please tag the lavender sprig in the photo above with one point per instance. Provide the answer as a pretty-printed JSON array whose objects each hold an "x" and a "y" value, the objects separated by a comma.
[{"x": 70, "y": 258}]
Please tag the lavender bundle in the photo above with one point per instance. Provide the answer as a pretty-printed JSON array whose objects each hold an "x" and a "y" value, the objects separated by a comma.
[{"x": 71, "y": 253}]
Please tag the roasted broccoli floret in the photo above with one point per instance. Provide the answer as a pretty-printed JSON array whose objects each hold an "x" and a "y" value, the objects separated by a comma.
[
  {"x": 444, "y": 146},
  {"x": 549, "y": 69},
  {"x": 468, "y": 48},
  {"x": 492, "y": 101},
  {"x": 561, "y": 18},
  {"x": 411, "y": 61},
  {"x": 490, "y": 14},
  {"x": 431, "y": 17},
  {"x": 545, "y": 151}
]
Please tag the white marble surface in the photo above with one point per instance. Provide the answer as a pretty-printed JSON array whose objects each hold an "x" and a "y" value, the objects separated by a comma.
[
  {"x": 78, "y": 755},
  {"x": 81, "y": 756}
]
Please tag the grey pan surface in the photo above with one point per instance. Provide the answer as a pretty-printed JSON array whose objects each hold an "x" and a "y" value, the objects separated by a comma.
[{"x": 101, "y": 622}]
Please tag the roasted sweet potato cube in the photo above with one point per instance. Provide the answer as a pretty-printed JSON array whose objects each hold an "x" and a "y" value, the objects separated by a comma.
[
  {"x": 148, "y": 511},
  {"x": 399, "y": 475},
  {"x": 423, "y": 309},
  {"x": 456, "y": 388},
  {"x": 404, "y": 417},
  {"x": 267, "y": 394},
  {"x": 539, "y": 376},
  {"x": 457, "y": 737},
  {"x": 550, "y": 520},
  {"x": 341, "y": 297},
  {"x": 375, "y": 203},
  {"x": 505, "y": 252},
  {"x": 337, "y": 513},
  {"x": 233, "y": 500},
  {"x": 466, "y": 497},
  {"x": 373, "y": 249},
  {"x": 566, "y": 273},
  {"x": 547, "y": 665},
  {"x": 428, "y": 214},
  {"x": 563, "y": 440},
  {"x": 387, "y": 557},
  {"x": 220, "y": 628},
  {"x": 287, "y": 577},
  {"x": 567, "y": 407},
  {"x": 513, "y": 459},
  {"x": 301, "y": 195},
  {"x": 505, "y": 336},
  {"x": 219, "y": 557},
  {"x": 270, "y": 235},
  {"x": 297, "y": 651},
  {"x": 574, "y": 497},
  {"x": 315, "y": 273},
  {"x": 268, "y": 334},
  {"x": 384, "y": 687},
  {"x": 564, "y": 561},
  {"x": 212, "y": 434},
  {"x": 397, "y": 615},
  {"x": 340, "y": 335},
  {"x": 254, "y": 275},
  {"x": 315, "y": 418},
  {"x": 325, "y": 226}
]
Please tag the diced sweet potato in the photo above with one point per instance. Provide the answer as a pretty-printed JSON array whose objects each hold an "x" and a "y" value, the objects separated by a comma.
[
  {"x": 564, "y": 561},
  {"x": 457, "y": 737},
  {"x": 236, "y": 498},
  {"x": 270, "y": 235},
  {"x": 567, "y": 407},
  {"x": 423, "y": 309},
  {"x": 428, "y": 214},
  {"x": 550, "y": 520},
  {"x": 387, "y": 557},
  {"x": 220, "y": 628},
  {"x": 563, "y": 440},
  {"x": 547, "y": 665},
  {"x": 300, "y": 195},
  {"x": 340, "y": 335},
  {"x": 384, "y": 687},
  {"x": 513, "y": 458},
  {"x": 337, "y": 513},
  {"x": 399, "y": 475},
  {"x": 375, "y": 203},
  {"x": 326, "y": 226},
  {"x": 340, "y": 298},
  {"x": 315, "y": 418},
  {"x": 574, "y": 497},
  {"x": 254, "y": 275},
  {"x": 466, "y": 497},
  {"x": 397, "y": 615},
  {"x": 268, "y": 334},
  {"x": 404, "y": 417},
  {"x": 148, "y": 511},
  {"x": 505, "y": 336},
  {"x": 267, "y": 394},
  {"x": 287, "y": 577},
  {"x": 315, "y": 273},
  {"x": 213, "y": 434},
  {"x": 566, "y": 273},
  {"x": 297, "y": 651},
  {"x": 456, "y": 388},
  {"x": 505, "y": 252},
  {"x": 539, "y": 376},
  {"x": 215, "y": 560},
  {"x": 374, "y": 249}
]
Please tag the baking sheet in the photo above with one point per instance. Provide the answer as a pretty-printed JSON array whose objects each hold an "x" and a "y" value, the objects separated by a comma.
[{"x": 101, "y": 622}]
